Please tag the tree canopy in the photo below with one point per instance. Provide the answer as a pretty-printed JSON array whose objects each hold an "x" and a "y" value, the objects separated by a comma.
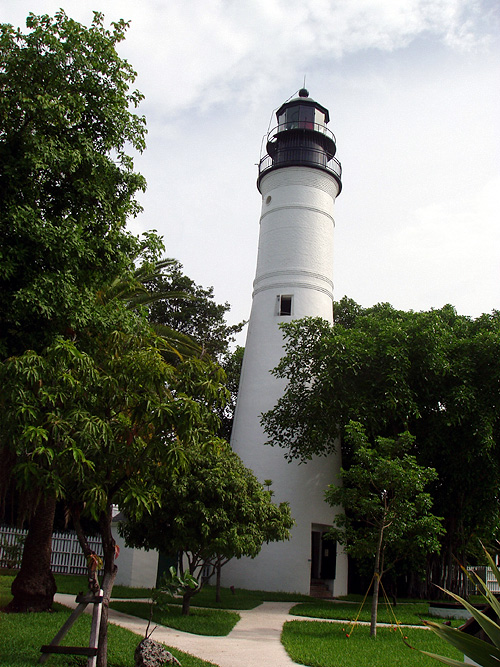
[
  {"x": 215, "y": 511},
  {"x": 67, "y": 184},
  {"x": 434, "y": 373},
  {"x": 105, "y": 428},
  {"x": 231, "y": 364},
  {"x": 90, "y": 427},
  {"x": 67, "y": 188},
  {"x": 194, "y": 312},
  {"x": 92, "y": 409}
]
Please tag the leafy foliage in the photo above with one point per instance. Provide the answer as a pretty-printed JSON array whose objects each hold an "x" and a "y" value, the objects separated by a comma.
[
  {"x": 231, "y": 364},
  {"x": 92, "y": 409},
  {"x": 435, "y": 373},
  {"x": 387, "y": 511},
  {"x": 484, "y": 653},
  {"x": 216, "y": 511},
  {"x": 383, "y": 491},
  {"x": 89, "y": 428},
  {"x": 67, "y": 185},
  {"x": 104, "y": 428},
  {"x": 194, "y": 313},
  {"x": 173, "y": 584},
  {"x": 11, "y": 553}
]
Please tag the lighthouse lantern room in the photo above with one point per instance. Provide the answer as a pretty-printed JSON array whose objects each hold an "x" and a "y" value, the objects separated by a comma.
[{"x": 301, "y": 138}]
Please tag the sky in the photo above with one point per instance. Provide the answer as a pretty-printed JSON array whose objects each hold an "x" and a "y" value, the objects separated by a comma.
[{"x": 413, "y": 90}]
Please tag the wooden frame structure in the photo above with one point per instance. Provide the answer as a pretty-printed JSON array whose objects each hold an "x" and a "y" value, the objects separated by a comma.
[{"x": 91, "y": 650}]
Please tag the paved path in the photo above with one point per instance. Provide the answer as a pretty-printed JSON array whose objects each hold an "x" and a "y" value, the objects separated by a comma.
[{"x": 253, "y": 642}]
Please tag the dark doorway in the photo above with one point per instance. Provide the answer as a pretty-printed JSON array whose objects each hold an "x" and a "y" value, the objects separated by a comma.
[
  {"x": 315, "y": 554},
  {"x": 323, "y": 554},
  {"x": 328, "y": 557}
]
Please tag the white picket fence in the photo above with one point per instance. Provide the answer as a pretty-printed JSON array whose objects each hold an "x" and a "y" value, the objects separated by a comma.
[
  {"x": 486, "y": 574},
  {"x": 67, "y": 556}
]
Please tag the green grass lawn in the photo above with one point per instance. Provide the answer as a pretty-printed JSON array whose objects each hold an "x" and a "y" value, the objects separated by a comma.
[
  {"x": 74, "y": 583},
  {"x": 325, "y": 645},
  {"x": 211, "y": 622},
  {"x": 412, "y": 613},
  {"x": 309, "y": 643},
  {"x": 357, "y": 597},
  {"x": 240, "y": 599},
  {"x": 22, "y": 635}
]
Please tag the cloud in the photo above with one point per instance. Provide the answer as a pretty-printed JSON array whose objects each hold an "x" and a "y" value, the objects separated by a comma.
[
  {"x": 221, "y": 48},
  {"x": 197, "y": 53},
  {"x": 202, "y": 52}
]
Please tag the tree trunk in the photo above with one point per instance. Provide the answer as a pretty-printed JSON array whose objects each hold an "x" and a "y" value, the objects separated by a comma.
[
  {"x": 186, "y": 601},
  {"x": 110, "y": 571},
  {"x": 434, "y": 574},
  {"x": 217, "y": 581},
  {"x": 34, "y": 586},
  {"x": 92, "y": 561},
  {"x": 373, "y": 619},
  {"x": 376, "y": 583}
]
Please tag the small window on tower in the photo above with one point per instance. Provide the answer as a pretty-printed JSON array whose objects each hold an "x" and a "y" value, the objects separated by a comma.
[{"x": 285, "y": 305}]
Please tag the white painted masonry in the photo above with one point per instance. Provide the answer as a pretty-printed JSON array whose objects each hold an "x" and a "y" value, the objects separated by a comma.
[
  {"x": 295, "y": 258},
  {"x": 136, "y": 567}
]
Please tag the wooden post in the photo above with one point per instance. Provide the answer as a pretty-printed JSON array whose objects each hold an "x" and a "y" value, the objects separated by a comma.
[
  {"x": 94, "y": 630},
  {"x": 91, "y": 651}
]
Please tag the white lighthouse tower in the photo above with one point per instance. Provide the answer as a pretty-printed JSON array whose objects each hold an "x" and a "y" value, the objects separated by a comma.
[{"x": 299, "y": 179}]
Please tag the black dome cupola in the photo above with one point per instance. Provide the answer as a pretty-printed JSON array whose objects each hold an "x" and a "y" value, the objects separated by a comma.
[{"x": 301, "y": 138}]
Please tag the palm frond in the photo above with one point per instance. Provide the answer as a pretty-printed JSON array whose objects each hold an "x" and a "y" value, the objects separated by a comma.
[{"x": 482, "y": 652}]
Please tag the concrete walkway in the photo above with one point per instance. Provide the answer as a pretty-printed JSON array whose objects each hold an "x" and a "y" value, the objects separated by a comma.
[{"x": 253, "y": 642}]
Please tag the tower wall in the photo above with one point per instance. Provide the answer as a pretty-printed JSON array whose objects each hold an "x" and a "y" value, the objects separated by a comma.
[{"x": 295, "y": 258}]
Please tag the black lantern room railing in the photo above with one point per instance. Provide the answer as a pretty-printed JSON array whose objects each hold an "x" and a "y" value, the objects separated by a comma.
[{"x": 301, "y": 143}]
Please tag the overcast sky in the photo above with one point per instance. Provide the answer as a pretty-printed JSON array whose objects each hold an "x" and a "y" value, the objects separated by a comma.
[{"x": 413, "y": 89}]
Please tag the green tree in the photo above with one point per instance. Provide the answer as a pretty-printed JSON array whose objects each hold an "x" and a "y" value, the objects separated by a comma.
[
  {"x": 216, "y": 511},
  {"x": 386, "y": 511},
  {"x": 434, "y": 373},
  {"x": 67, "y": 185},
  {"x": 195, "y": 313},
  {"x": 106, "y": 428},
  {"x": 231, "y": 364}
]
